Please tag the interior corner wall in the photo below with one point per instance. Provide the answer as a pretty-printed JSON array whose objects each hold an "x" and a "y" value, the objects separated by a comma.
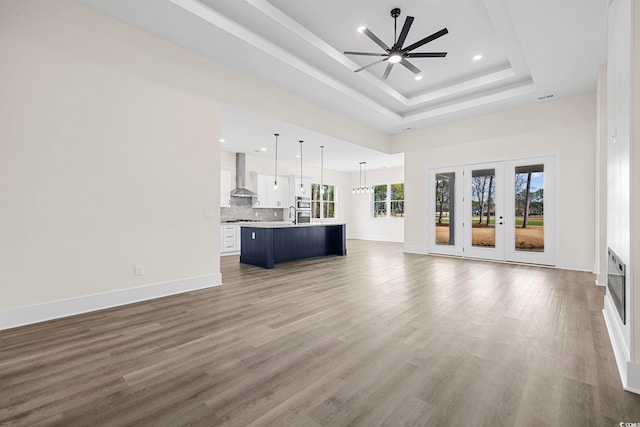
[
  {"x": 100, "y": 170},
  {"x": 361, "y": 224},
  {"x": 565, "y": 127}
]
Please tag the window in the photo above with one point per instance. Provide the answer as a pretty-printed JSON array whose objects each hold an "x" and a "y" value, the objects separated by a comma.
[
  {"x": 388, "y": 201},
  {"x": 323, "y": 204}
]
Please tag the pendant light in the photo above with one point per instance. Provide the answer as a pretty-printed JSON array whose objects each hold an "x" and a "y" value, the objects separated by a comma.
[
  {"x": 301, "y": 182},
  {"x": 275, "y": 173},
  {"x": 362, "y": 189},
  {"x": 321, "y": 169}
]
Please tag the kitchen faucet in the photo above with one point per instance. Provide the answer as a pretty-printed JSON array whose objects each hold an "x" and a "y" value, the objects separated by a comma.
[{"x": 294, "y": 214}]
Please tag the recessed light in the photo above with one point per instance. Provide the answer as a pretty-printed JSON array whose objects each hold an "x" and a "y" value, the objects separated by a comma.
[
  {"x": 477, "y": 57},
  {"x": 418, "y": 77},
  {"x": 297, "y": 156},
  {"x": 361, "y": 29},
  {"x": 221, "y": 140},
  {"x": 263, "y": 149}
]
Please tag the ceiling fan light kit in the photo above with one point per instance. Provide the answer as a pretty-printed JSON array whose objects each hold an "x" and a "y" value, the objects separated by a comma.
[{"x": 397, "y": 54}]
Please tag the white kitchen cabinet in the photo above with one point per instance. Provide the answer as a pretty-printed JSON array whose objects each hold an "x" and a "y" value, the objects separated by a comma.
[
  {"x": 229, "y": 238},
  {"x": 225, "y": 188},
  {"x": 268, "y": 197},
  {"x": 283, "y": 199}
]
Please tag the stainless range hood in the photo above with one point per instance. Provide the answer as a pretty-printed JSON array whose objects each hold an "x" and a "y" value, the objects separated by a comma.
[{"x": 241, "y": 190}]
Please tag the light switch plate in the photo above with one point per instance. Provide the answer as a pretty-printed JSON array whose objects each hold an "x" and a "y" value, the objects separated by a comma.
[{"x": 209, "y": 214}]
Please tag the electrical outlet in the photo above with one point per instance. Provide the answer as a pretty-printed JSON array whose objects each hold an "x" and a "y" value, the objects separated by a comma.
[
  {"x": 256, "y": 214},
  {"x": 138, "y": 270},
  {"x": 275, "y": 214}
]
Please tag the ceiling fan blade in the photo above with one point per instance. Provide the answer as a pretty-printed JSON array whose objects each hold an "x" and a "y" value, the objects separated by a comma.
[
  {"x": 376, "y": 39},
  {"x": 387, "y": 71},
  {"x": 369, "y": 65},
  {"x": 404, "y": 32},
  {"x": 426, "y": 55},
  {"x": 426, "y": 40},
  {"x": 365, "y": 53},
  {"x": 410, "y": 66}
]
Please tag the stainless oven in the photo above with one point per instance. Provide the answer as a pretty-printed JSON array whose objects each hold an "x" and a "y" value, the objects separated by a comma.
[
  {"x": 303, "y": 217},
  {"x": 303, "y": 203}
]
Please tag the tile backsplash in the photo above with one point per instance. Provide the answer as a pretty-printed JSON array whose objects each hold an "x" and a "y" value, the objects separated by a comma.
[{"x": 241, "y": 209}]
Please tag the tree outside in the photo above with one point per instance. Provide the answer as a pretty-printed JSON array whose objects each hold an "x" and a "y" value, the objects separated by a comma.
[{"x": 529, "y": 208}]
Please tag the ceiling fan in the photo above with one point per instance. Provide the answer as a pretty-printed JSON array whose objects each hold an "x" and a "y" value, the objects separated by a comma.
[{"x": 396, "y": 54}]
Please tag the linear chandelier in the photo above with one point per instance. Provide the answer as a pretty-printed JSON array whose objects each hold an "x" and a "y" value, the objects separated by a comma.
[{"x": 362, "y": 189}]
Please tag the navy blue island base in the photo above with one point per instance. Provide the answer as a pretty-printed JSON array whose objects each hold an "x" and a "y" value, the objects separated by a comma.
[{"x": 265, "y": 245}]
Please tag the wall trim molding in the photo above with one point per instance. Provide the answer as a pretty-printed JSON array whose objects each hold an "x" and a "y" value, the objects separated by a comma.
[
  {"x": 376, "y": 238},
  {"x": 575, "y": 265},
  {"x": 415, "y": 250},
  {"x": 601, "y": 279},
  {"x": 21, "y": 316}
]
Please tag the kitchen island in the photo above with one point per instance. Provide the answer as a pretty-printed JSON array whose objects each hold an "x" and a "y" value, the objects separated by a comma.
[{"x": 265, "y": 244}]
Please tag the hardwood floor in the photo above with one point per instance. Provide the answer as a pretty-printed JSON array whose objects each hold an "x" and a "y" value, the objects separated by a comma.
[{"x": 374, "y": 338}]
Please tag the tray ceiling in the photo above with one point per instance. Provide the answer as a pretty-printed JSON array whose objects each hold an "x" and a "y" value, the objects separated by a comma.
[{"x": 532, "y": 51}]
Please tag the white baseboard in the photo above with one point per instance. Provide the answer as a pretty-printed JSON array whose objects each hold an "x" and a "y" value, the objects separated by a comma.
[
  {"x": 575, "y": 265},
  {"x": 415, "y": 250},
  {"x": 375, "y": 238},
  {"x": 620, "y": 350},
  {"x": 633, "y": 377},
  {"x": 229, "y": 253},
  {"x": 14, "y": 317},
  {"x": 601, "y": 279}
]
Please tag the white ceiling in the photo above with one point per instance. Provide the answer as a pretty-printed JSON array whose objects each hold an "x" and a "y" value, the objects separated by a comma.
[{"x": 531, "y": 50}]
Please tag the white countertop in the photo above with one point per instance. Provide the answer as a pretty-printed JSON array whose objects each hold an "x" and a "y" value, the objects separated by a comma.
[{"x": 285, "y": 224}]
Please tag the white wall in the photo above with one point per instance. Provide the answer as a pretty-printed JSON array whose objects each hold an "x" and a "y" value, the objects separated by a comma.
[
  {"x": 341, "y": 180},
  {"x": 361, "y": 224},
  {"x": 566, "y": 127},
  {"x": 619, "y": 149},
  {"x": 635, "y": 290},
  {"x": 623, "y": 183},
  {"x": 100, "y": 170}
]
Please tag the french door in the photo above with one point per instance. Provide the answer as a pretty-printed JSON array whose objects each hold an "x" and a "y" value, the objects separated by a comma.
[
  {"x": 501, "y": 211},
  {"x": 483, "y": 223}
]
